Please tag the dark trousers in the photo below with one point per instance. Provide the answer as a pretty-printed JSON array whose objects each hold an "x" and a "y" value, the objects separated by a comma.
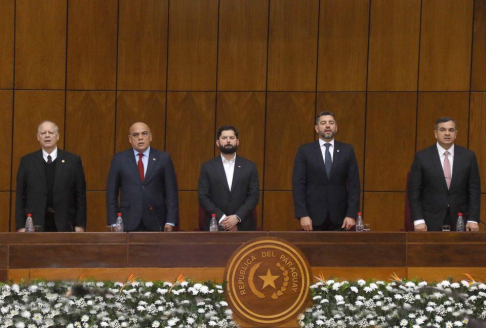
[{"x": 328, "y": 225}]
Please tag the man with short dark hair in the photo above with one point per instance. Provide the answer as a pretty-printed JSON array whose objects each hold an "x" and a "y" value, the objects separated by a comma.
[
  {"x": 228, "y": 185},
  {"x": 326, "y": 186},
  {"x": 51, "y": 186},
  {"x": 444, "y": 180},
  {"x": 142, "y": 185}
]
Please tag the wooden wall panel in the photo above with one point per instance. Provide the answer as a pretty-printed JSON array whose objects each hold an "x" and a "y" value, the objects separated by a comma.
[
  {"x": 92, "y": 46},
  {"x": 349, "y": 108},
  {"x": 6, "y": 113},
  {"x": 242, "y": 58},
  {"x": 7, "y": 15},
  {"x": 343, "y": 45},
  {"x": 278, "y": 212},
  {"x": 478, "y": 80},
  {"x": 142, "y": 45},
  {"x": 96, "y": 203},
  {"x": 292, "y": 53},
  {"x": 289, "y": 124},
  {"x": 188, "y": 211},
  {"x": 193, "y": 32},
  {"x": 95, "y": 142},
  {"x": 40, "y": 46},
  {"x": 445, "y": 45},
  {"x": 385, "y": 211},
  {"x": 433, "y": 105},
  {"x": 390, "y": 140},
  {"x": 394, "y": 45},
  {"x": 190, "y": 134},
  {"x": 477, "y": 134},
  {"x": 31, "y": 108},
  {"x": 246, "y": 111},
  {"x": 134, "y": 106},
  {"x": 5, "y": 211}
]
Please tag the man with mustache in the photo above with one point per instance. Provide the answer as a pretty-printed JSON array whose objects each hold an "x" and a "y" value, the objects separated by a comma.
[
  {"x": 142, "y": 185},
  {"x": 228, "y": 185},
  {"x": 326, "y": 186},
  {"x": 51, "y": 186},
  {"x": 444, "y": 180}
]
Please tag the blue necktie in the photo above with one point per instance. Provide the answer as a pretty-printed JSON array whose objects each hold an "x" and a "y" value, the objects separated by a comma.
[{"x": 328, "y": 160}]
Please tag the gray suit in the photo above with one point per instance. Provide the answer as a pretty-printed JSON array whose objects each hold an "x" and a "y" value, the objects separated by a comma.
[
  {"x": 154, "y": 201},
  {"x": 216, "y": 197}
]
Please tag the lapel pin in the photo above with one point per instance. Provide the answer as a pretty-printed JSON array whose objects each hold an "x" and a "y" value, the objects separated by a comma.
[
  {"x": 63, "y": 161},
  {"x": 337, "y": 150},
  {"x": 154, "y": 159},
  {"x": 239, "y": 166}
]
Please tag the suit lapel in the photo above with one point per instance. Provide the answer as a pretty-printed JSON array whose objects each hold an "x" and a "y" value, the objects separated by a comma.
[
  {"x": 39, "y": 164},
  {"x": 153, "y": 160},
  {"x": 456, "y": 166},
  {"x": 131, "y": 163},
  {"x": 434, "y": 154},
  {"x": 319, "y": 158},
  {"x": 60, "y": 163},
  {"x": 219, "y": 169},
  {"x": 237, "y": 172}
]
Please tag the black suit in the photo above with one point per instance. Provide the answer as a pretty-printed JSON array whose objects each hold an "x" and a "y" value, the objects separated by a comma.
[
  {"x": 216, "y": 197},
  {"x": 318, "y": 196},
  {"x": 154, "y": 202},
  {"x": 69, "y": 196},
  {"x": 428, "y": 192}
]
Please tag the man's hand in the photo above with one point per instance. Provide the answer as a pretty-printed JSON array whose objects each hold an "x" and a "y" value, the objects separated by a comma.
[
  {"x": 21, "y": 230},
  {"x": 168, "y": 228},
  {"x": 78, "y": 229},
  {"x": 348, "y": 223},
  {"x": 306, "y": 223},
  {"x": 230, "y": 222},
  {"x": 472, "y": 226},
  {"x": 420, "y": 227}
]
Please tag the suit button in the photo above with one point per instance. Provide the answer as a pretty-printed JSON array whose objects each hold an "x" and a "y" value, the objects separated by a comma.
[{"x": 143, "y": 187}]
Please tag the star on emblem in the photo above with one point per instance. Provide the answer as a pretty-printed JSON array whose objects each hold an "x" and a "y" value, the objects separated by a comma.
[{"x": 268, "y": 280}]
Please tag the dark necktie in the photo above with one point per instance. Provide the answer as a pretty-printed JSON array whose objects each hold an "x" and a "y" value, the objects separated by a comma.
[
  {"x": 49, "y": 159},
  {"x": 328, "y": 160},
  {"x": 140, "y": 167}
]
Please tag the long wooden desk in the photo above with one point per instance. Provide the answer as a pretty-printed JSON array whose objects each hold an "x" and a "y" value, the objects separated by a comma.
[{"x": 203, "y": 255}]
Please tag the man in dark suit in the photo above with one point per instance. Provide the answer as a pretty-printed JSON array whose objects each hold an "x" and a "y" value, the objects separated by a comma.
[
  {"x": 228, "y": 185},
  {"x": 51, "y": 186},
  {"x": 444, "y": 180},
  {"x": 325, "y": 181},
  {"x": 144, "y": 181}
]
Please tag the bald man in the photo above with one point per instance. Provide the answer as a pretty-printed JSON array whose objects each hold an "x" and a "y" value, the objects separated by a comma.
[{"x": 142, "y": 185}]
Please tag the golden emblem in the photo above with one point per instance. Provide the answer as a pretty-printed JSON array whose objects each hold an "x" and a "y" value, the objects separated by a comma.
[{"x": 268, "y": 282}]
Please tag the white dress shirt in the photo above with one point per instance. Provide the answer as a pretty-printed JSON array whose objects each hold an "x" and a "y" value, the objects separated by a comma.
[
  {"x": 323, "y": 149},
  {"x": 53, "y": 154},
  {"x": 229, "y": 170}
]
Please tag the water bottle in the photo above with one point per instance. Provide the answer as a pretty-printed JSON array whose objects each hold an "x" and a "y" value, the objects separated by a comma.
[
  {"x": 119, "y": 224},
  {"x": 359, "y": 222},
  {"x": 213, "y": 225},
  {"x": 29, "y": 224},
  {"x": 460, "y": 223}
]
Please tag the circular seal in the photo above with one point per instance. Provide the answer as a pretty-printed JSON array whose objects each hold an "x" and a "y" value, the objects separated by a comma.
[{"x": 268, "y": 281}]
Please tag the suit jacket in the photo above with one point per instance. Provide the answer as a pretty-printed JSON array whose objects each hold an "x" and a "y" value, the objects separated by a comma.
[
  {"x": 428, "y": 191},
  {"x": 69, "y": 196},
  {"x": 315, "y": 194},
  {"x": 216, "y": 197},
  {"x": 155, "y": 201}
]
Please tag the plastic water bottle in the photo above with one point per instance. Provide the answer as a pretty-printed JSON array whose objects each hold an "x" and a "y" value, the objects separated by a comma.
[
  {"x": 29, "y": 224},
  {"x": 359, "y": 222},
  {"x": 213, "y": 225},
  {"x": 460, "y": 223},
  {"x": 119, "y": 224}
]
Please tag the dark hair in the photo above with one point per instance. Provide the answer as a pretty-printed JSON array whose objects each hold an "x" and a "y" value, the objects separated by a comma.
[
  {"x": 323, "y": 113},
  {"x": 226, "y": 128},
  {"x": 443, "y": 120}
]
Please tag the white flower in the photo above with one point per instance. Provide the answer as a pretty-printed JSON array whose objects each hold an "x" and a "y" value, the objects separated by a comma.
[
  {"x": 458, "y": 324},
  {"x": 403, "y": 322},
  {"x": 373, "y": 286},
  {"x": 438, "y": 318},
  {"x": 25, "y": 314},
  {"x": 155, "y": 324},
  {"x": 223, "y": 303},
  {"x": 354, "y": 289},
  {"x": 20, "y": 325},
  {"x": 368, "y": 289},
  {"x": 361, "y": 282},
  {"x": 149, "y": 284}
]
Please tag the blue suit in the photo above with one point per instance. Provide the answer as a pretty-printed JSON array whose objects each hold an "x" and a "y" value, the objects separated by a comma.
[{"x": 153, "y": 202}]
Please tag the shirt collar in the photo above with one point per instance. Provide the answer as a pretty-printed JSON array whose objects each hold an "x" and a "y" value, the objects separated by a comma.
[
  {"x": 322, "y": 142},
  {"x": 53, "y": 154},
  {"x": 228, "y": 161},
  {"x": 442, "y": 150},
  {"x": 145, "y": 153}
]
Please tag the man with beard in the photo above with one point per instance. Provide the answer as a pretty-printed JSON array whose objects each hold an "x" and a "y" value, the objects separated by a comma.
[
  {"x": 228, "y": 185},
  {"x": 142, "y": 185},
  {"x": 326, "y": 181}
]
